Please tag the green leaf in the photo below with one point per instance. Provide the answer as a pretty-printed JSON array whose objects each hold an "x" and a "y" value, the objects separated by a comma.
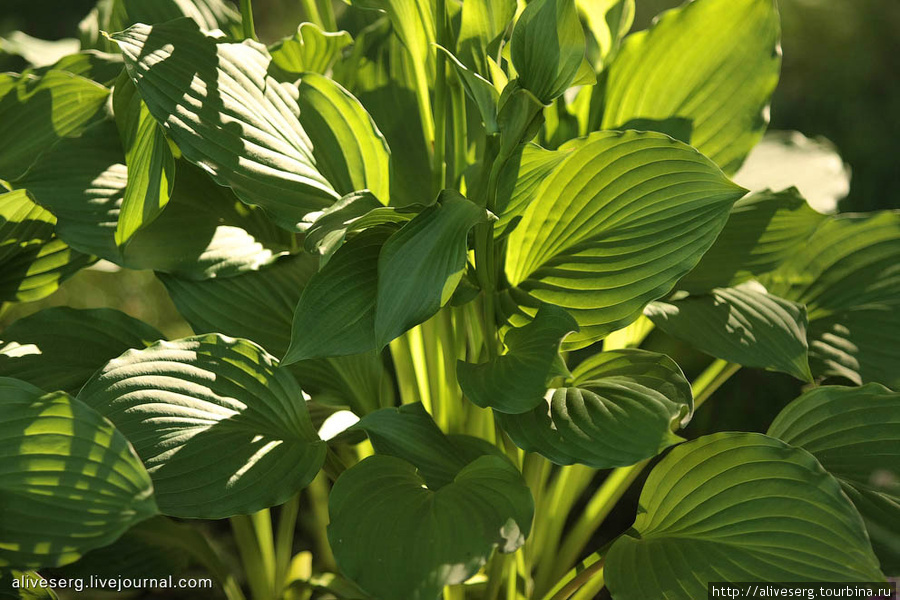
[
  {"x": 217, "y": 103},
  {"x": 33, "y": 261},
  {"x": 847, "y": 275},
  {"x": 743, "y": 325},
  {"x": 208, "y": 14},
  {"x": 788, "y": 158},
  {"x": 547, "y": 47},
  {"x": 707, "y": 68},
  {"x": 151, "y": 166},
  {"x": 620, "y": 220},
  {"x": 738, "y": 507},
  {"x": 853, "y": 433},
  {"x": 608, "y": 21},
  {"x": 102, "y": 67},
  {"x": 480, "y": 90},
  {"x": 38, "y": 112},
  {"x": 205, "y": 231},
  {"x": 60, "y": 348},
  {"x": 763, "y": 230},
  {"x": 482, "y": 26},
  {"x": 413, "y": 22},
  {"x": 24, "y": 585},
  {"x": 271, "y": 294},
  {"x": 35, "y": 51},
  {"x": 420, "y": 265},
  {"x": 519, "y": 182},
  {"x": 352, "y": 213},
  {"x": 71, "y": 482},
  {"x": 409, "y": 432},
  {"x": 310, "y": 50},
  {"x": 446, "y": 534},
  {"x": 621, "y": 409},
  {"x": 222, "y": 429},
  {"x": 336, "y": 312},
  {"x": 517, "y": 381},
  {"x": 347, "y": 147}
]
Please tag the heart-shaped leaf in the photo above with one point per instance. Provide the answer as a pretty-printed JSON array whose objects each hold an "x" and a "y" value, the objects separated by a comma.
[
  {"x": 60, "y": 348},
  {"x": 853, "y": 433},
  {"x": 517, "y": 381},
  {"x": 620, "y": 220},
  {"x": 71, "y": 482},
  {"x": 707, "y": 69},
  {"x": 743, "y": 324},
  {"x": 227, "y": 115},
  {"x": 33, "y": 261},
  {"x": 738, "y": 507},
  {"x": 222, "y": 428}
]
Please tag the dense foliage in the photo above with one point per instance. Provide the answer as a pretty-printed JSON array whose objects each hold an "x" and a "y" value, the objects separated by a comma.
[{"x": 422, "y": 245}]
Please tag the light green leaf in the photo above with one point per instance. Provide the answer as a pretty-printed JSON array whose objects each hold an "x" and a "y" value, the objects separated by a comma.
[
  {"x": 71, "y": 482},
  {"x": 743, "y": 325},
  {"x": 101, "y": 67},
  {"x": 447, "y": 534},
  {"x": 620, "y": 220},
  {"x": 60, "y": 348},
  {"x": 848, "y": 276},
  {"x": 517, "y": 381},
  {"x": 482, "y": 26},
  {"x": 224, "y": 112},
  {"x": 738, "y": 507},
  {"x": 151, "y": 166},
  {"x": 608, "y": 21},
  {"x": 519, "y": 182},
  {"x": 310, "y": 50},
  {"x": 413, "y": 22},
  {"x": 788, "y": 158},
  {"x": 336, "y": 312},
  {"x": 35, "y": 51},
  {"x": 38, "y": 112},
  {"x": 347, "y": 147},
  {"x": 33, "y": 261},
  {"x": 547, "y": 47},
  {"x": 271, "y": 295},
  {"x": 853, "y": 433},
  {"x": 222, "y": 429},
  {"x": 420, "y": 265},
  {"x": 205, "y": 231},
  {"x": 208, "y": 14},
  {"x": 762, "y": 231},
  {"x": 706, "y": 69},
  {"x": 24, "y": 585},
  {"x": 622, "y": 408}
]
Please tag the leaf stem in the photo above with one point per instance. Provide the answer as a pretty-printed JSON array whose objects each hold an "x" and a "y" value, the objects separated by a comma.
[
  {"x": 251, "y": 557},
  {"x": 247, "y": 19},
  {"x": 439, "y": 166},
  {"x": 311, "y": 10},
  {"x": 577, "y": 577},
  {"x": 284, "y": 540},
  {"x": 711, "y": 380}
]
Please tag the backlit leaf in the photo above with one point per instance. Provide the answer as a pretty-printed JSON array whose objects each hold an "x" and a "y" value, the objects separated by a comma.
[{"x": 310, "y": 50}]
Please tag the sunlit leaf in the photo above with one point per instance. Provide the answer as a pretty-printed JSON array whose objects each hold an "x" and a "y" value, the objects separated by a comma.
[{"x": 310, "y": 50}]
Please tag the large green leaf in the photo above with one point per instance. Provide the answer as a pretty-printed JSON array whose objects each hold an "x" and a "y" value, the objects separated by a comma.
[
  {"x": 24, "y": 585},
  {"x": 208, "y": 14},
  {"x": 743, "y": 324},
  {"x": 705, "y": 71},
  {"x": 622, "y": 407},
  {"x": 102, "y": 67},
  {"x": 222, "y": 429},
  {"x": 35, "y": 51},
  {"x": 151, "y": 166},
  {"x": 271, "y": 294},
  {"x": 310, "y": 50},
  {"x": 517, "y": 381},
  {"x": 60, "y": 348},
  {"x": 738, "y": 507},
  {"x": 420, "y": 266},
  {"x": 347, "y": 146},
  {"x": 619, "y": 221},
  {"x": 482, "y": 25},
  {"x": 763, "y": 230},
  {"x": 547, "y": 47},
  {"x": 225, "y": 113},
  {"x": 35, "y": 113},
  {"x": 608, "y": 21},
  {"x": 205, "y": 231},
  {"x": 33, "y": 261},
  {"x": 848, "y": 276},
  {"x": 855, "y": 434},
  {"x": 519, "y": 182},
  {"x": 70, "y": 482}
]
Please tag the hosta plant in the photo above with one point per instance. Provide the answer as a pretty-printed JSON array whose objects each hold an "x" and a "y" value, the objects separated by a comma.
[{"x": 424, "y": 246}]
